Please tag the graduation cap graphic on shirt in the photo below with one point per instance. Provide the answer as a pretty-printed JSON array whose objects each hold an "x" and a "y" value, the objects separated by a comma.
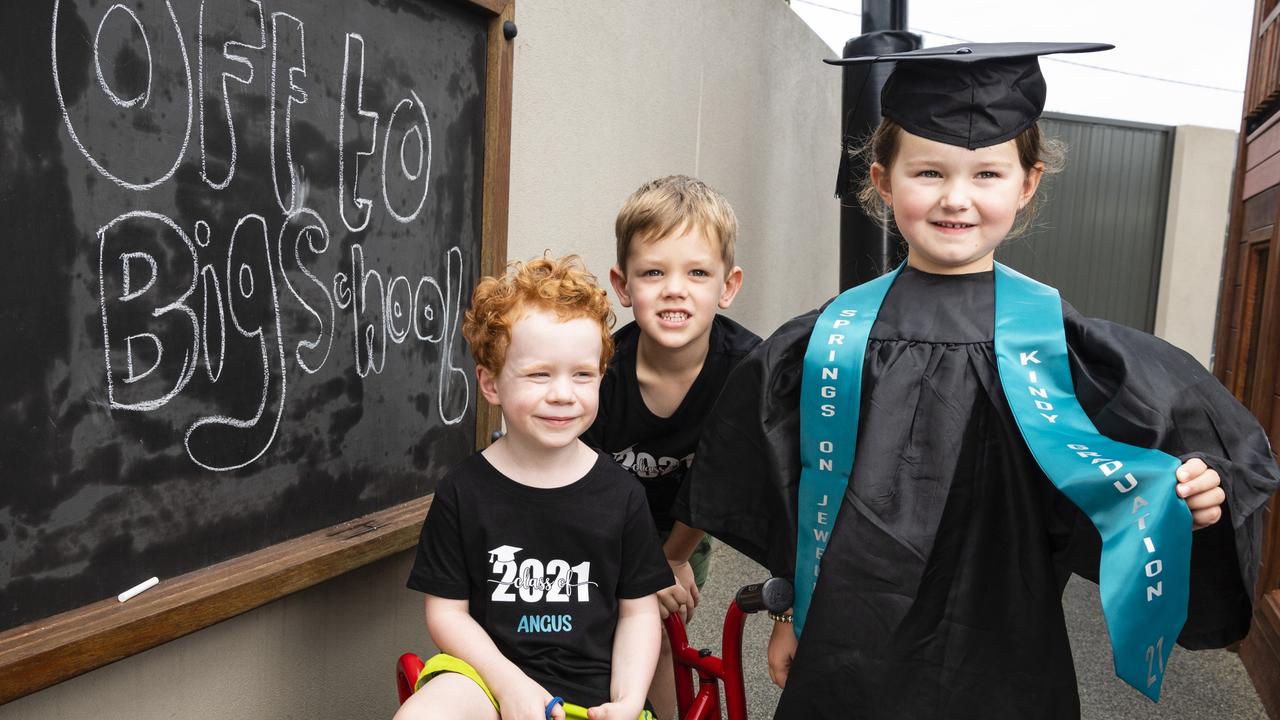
[
  {"x": 972, "y": 95},
  {"x": 503, "y": 553}
]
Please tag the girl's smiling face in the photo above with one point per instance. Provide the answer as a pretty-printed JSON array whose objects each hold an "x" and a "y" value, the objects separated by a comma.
[{"x": 953, "y": 205}]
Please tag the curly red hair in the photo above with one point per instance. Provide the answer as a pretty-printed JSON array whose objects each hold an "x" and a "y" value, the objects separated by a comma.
[{"x": 562, "y": 286}]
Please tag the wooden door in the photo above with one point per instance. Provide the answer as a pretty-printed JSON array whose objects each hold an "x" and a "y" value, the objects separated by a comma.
[{"x": 1248, "y": 334}]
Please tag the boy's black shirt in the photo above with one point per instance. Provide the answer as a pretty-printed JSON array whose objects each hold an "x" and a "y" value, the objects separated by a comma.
[
  {"x": 576, "y": 550},
  {"x": 658, "y": 451}
]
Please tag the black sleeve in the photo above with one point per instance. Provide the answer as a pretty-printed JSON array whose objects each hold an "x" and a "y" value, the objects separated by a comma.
[
  {"x": 742, "y": 486},
  {"x": 595, "y": 435},
  {"x": 644, "y": 568},
  {"x": 1141, "y": 390},
  {"x": 440, "y": 568},
  {"x": 612, "y": 391}
]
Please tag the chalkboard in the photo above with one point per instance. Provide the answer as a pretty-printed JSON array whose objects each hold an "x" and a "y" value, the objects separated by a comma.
[{"x": 238, "y": 238}]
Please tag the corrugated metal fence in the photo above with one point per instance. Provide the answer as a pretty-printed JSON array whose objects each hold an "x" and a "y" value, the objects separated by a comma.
[{"x": 1099, "y": 235}]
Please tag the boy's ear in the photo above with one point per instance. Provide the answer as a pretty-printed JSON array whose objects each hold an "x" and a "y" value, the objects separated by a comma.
[
  {"x": 880, "y": 179},
  {"x": 732, "y": 284},
  {"x": 619, "y": 282},
  {"x": 488, "y": 383}
]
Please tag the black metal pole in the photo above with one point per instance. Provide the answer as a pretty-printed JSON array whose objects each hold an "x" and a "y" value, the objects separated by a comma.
[
  {"x": 867, "y": 250},
  {"x": 883, "y": 15}
]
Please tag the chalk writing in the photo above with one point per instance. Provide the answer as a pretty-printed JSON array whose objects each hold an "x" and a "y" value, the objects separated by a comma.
[
  {"x": 139, "y": 102},
  {"x": 156, "y": 332}
]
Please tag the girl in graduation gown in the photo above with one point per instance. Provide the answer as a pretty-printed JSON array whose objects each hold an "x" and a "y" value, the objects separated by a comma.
[{"x": 940, "y": 589}]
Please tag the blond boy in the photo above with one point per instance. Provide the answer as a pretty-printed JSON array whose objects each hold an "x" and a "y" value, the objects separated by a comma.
[{"x": 675, "y": 270}]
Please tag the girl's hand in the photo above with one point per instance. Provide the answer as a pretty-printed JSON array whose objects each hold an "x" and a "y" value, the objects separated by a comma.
[
  {"x": 1200, "y": 486},
  {"x": 782, "y": 650},
  {"x": 618, "y": 710},
  {"x": 523, "y": 699}
]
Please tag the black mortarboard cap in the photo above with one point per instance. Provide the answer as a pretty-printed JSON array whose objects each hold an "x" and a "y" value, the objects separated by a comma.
[{"x": 972, "y": 95}]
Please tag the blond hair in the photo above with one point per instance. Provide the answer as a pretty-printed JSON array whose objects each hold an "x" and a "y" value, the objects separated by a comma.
[{"x": 676, "y": 202}]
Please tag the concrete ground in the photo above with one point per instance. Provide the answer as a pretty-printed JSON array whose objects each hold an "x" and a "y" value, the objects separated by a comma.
[{"x": 1204, "y": 685}]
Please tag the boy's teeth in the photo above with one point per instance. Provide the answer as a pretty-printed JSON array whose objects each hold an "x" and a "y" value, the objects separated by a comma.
[{"x": 674, "y": 316}]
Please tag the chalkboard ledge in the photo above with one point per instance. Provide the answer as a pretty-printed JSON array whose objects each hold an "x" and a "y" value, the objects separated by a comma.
[{"x": 57, "y": 648}]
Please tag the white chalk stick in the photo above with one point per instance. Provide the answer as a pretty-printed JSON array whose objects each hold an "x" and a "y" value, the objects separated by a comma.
[{"x": 140, "y": 587}]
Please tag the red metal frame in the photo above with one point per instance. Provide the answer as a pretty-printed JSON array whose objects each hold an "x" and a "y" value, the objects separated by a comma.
[
  {"x": 687, "y": 660},
  {"x": 408, "y": 668},
  {"x": 711, "y": 670}
]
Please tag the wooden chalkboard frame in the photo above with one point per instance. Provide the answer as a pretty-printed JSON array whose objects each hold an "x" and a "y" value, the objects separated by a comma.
[{"x": 48, "y": 651}]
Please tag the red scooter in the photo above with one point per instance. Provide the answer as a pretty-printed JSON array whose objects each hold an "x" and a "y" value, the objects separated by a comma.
[
  {"x": 773, "y": 595},
  {"x": 694, "y": 702}
]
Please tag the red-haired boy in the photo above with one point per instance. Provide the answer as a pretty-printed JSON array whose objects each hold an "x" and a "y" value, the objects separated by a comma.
[{"x": 539, "y": 557}]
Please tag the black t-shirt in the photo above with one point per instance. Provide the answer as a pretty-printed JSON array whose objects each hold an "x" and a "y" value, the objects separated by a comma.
[
  {"x": 657, "y": 450},
  {"x": 543, "y": 569}
]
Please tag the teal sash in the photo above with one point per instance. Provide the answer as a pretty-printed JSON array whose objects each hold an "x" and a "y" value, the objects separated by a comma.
[{"x": 1128, "y": 492}]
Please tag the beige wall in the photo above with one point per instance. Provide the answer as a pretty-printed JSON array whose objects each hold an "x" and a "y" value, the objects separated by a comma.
[
  {"x": 611, "y": 94},
  {"x": 326, "y": 653},
  {"x": 1195, "y": 237},
  {"x": 608, "y": 94}
]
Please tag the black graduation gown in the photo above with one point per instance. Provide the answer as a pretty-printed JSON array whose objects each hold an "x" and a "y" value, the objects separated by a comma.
[{"x": 940, "y": 592}]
